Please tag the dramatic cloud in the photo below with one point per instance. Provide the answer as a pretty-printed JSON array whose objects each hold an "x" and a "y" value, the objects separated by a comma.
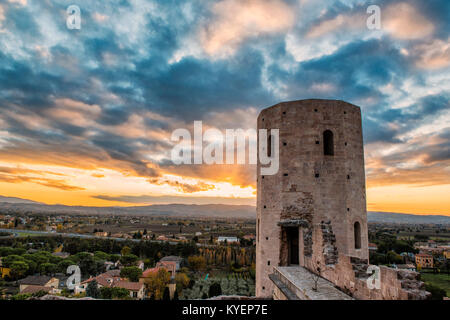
[
  {"x": 88, "y": 114},
  {"x": 234, "y": 21},
  {"x": 404, "y": 21}
]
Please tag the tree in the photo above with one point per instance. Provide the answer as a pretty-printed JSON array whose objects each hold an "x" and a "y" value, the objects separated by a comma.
[
  {"x": 132, "y": 273},
  {"x": 9, "y": 260},
  {"x": 125, "y": 250},
  {"x": 101, "y": 255},
  {"x": 156, "y": 282},
  {"x": 106, "y": 293},
  {"x": 437, "y": 293},
  {"x": 18, "y": 269},
  {"x": 64, "y": 264},
  {"x": 197, "y": 263},
  {"x": 92, "y": 289},
  {"x": 166, "y": 294},
  {"x": 128, "y": 259},
  {"x": 119, "y": 293},
  {"x": 175, "y": 295},
  {"x": 182, "y": 281},
  {"x": 87, "y": 265},
  {"x": 48, "y": 268},
  {"x": 215, "y": 290}
]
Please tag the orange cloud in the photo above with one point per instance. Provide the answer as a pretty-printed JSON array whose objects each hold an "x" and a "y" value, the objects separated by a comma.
[
  {"x": 183, "y": 187},
  {"x": 403, "y": 21},
  {"x": 236, "y": 20},
  {"x": 433, "y": 55},
  {"x": 51, "y": 183},
  {"x": 74, "y": 112},
  {"x": 341, "y": 21}
]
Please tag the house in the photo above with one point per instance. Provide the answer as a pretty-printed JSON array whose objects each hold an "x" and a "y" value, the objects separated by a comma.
[
  {"x": 62, "y": 277},
  {"x": 36, "y": 289},
  {"x": 101, "y": 234},
  {"x": 136, "y": 289},
  {"x": 178, "y": 261},
  {"x": 228, "y": 239},
  {"x": 112, "y": 279},
  {"x": 424, "y": 260},
  {"x": 446, "y": 254},
  {"x": 146, "y": 274},
  {"x": 38, "y": 281},
  {"x": 170, "y": 266},
  {"x": 373, "y": 247}
]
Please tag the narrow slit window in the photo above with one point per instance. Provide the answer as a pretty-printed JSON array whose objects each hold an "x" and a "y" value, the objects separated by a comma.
[
  {"x": 328, "y": 143},
  {"x": 269, "y": 144},
  {"x": 357, "y": 230}
]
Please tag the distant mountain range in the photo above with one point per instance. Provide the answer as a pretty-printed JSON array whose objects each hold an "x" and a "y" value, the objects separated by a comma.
[
  {"x": 391, "y": 217},
  {"x": 16, "y": 200},
  {"x": 9, "y": 205},
  {"x": 13, "y": 205}
]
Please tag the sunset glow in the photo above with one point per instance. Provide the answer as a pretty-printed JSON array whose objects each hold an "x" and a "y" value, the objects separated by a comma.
[{"x": 86, "y": 116}]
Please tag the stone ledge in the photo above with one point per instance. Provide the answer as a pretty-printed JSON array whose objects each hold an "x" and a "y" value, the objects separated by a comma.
[
  {"x": 292, "y": 223},
  {"x": 299, "y": 282},
  {"x": 283, "y": 288}
]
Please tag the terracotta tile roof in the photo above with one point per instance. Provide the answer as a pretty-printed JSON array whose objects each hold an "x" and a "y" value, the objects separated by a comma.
[
  {"x": 110, "y": 280},
  {"x": 35, "y": 280},
  {"x": 132, "y": 286},
  {"x": 113, "y": 273},
  {"x": 34, "y": 289},
  {"x": 104, "y": 279},
  {"x": 149, "y": 271},
  {"x": 87, "y": 280}
]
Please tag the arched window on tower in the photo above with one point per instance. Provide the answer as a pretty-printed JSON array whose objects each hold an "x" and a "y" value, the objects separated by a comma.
[
  {"x": 328, "y": 144},
  {"x": 357, "y": 232}
]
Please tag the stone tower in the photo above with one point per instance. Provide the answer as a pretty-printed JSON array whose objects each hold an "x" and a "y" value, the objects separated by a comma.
[{"x": 312, "y": 213}]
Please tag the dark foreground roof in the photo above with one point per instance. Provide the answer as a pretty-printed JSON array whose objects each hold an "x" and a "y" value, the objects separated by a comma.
[{"x": 35, "y": 280}]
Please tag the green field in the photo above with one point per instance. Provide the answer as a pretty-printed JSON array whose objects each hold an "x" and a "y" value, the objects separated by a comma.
[
  {"x": 232, "y": 284},
  {"x": 440, "y": 279}
]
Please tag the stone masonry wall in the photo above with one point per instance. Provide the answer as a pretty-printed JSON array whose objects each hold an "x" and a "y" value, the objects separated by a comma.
[{"x": 325, "y": 192}]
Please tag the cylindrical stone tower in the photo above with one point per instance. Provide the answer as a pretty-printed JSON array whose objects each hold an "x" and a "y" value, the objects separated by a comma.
[{"x": 312, "y": 211}]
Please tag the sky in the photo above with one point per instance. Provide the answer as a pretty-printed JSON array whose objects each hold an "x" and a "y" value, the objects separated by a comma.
[{"x": 86, "y": 115}]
